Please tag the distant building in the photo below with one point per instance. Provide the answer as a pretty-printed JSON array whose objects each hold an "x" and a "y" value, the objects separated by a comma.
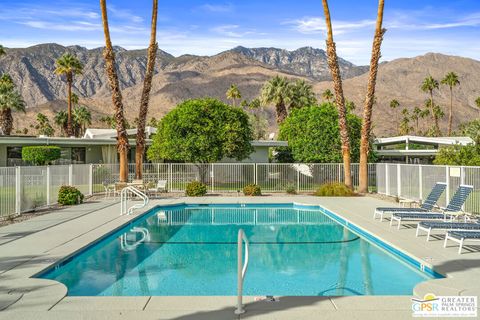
[
  {"x": 414, "y": 149},
  {"x": 99, "y": 146}
]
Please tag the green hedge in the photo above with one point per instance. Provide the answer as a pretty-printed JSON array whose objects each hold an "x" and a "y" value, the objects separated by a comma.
[
  {"x": 334, "y": 189},
  {"x": 68, "y": 195},
  {"x": 252, "y": 190},
  {"x": 40, "y": 155},
  {"x": 196, "y": 189}
]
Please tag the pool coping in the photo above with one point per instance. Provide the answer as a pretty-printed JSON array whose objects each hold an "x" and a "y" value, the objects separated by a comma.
[{"x": 58, "y": 291}]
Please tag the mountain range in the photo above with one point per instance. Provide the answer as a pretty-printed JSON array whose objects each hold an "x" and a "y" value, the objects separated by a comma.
[{"x": 190, "y": 76}]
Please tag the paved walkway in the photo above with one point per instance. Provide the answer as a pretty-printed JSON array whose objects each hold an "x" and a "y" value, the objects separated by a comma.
[{"x": 29, "y": 247}]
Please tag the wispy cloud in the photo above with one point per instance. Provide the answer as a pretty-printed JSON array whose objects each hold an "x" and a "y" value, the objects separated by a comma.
[
  {"x": 311, "y": 25},
  {"x": 231, "y": 30},
  {"x": 228, "y": 7}
]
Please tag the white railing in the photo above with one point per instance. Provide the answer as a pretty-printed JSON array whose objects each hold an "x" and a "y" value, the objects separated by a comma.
[
  {"x": 414, "y": 182},
  {"x": 24, "y": 189},
  {"x": 242, "y": 265},
  {"x": 124, "y": 195}
]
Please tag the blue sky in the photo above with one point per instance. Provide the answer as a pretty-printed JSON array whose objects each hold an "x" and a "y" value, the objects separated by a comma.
[{"x": 211, "y": 26}]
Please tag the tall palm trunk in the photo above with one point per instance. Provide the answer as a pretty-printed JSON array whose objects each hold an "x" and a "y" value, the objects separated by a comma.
[
  {"x": 6, "y": 121},
  {"x": 147, "y": 86},
  {"x": 339, "y": 98},
  {"x": 435, "y": 118},
  {"x": 281, "y": 111},
  {"x": 369, "y": 100},
  {"x": 69, "y": 111},
  {"x": 109, "y": 56},
  {"x": 450, "y": 112}
]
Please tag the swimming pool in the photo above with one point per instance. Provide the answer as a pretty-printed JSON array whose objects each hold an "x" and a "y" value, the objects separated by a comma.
[{"x": 191, "y": 250}]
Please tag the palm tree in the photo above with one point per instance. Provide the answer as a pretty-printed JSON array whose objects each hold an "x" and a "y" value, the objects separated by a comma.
[
  {"x": 429, "y": 84},
  {"x": 405, "y": 128},
  {"x": 10, "y": 100},
  {"x": 369, "y": 100},
  {"x": 350, "y": 105},
  {"x": 451, "y": 80},
  {"x": 276, "y": 91},
  {"x": 394, "y": 104},
  {"x": 75, "y": 99},
  {"x": 145, "y": 99},
  {"x": 327, "y": 95},
  {"x": 300, "y": 94},
  {"x": 340, "y": 99},
  {"x": 233, "y": 94},
  {"x": 109, "y": 56},
  {"x": 82, "y": 118},
  {"x": 61, "y": 120},
  {"x": 416, "y": 115},
  {"x": 69, "y": 66},
  {"x": 2, "y": 50}
]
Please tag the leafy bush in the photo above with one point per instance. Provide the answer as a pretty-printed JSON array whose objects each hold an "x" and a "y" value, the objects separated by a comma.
[
  {"x": 313, "y": 135},
  {"x": 196, "y": 189},
  {"x": 252, "y": 190},
  {"x": 458, "y": 155},
  {"x": 68, "y": 195},
  {"x": 334, "y": 189},
  {"x": 40, "y": 155},
  {"x": 290, "y": 189}
]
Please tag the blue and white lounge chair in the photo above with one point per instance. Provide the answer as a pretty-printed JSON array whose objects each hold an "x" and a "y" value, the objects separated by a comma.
[
  {"x": 460, "y": 237},
  {"x": 428, "y": 226},
  {"x": 454, "y": 206},
  {"x": 426, "y": 206}
]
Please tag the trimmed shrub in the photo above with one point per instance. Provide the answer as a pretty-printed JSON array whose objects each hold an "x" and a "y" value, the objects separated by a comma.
[
  {"x": 40, "y": 155},
  {"x": 290, "y": 189},
  {"x": 68, "y": 195},
  {"x": 334, "y": 189},
  {"x": 252, "y": 190},
  {"x": 196, "y": 189}
]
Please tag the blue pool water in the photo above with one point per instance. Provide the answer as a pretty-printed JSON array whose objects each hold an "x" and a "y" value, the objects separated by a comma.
[{"x": 192, "y": 250}]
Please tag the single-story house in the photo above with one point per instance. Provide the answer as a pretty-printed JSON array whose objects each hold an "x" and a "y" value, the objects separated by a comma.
[
  {"x": 414, "y": 149},
  {"x": 99, "y": 146}
]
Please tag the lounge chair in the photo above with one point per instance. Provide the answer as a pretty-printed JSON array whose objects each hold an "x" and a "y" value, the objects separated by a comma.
[
  {"x": 161, "y": 186},
  {"x": 426, "y": 206},
  {"x": 428, "y": 226},
  {"x": 453, "y": 210},
  {"x": 460, "y": 237}
]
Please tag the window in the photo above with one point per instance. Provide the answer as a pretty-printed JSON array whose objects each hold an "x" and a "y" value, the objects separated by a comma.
[
  {"x": 78, "y": 155},
  {"x": 14, "y": 156}
]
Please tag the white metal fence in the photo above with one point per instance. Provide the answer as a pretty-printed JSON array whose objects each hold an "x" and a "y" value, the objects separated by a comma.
[
  {"x": 27, "y": 188},
  {"x": 415, "y": 182}
]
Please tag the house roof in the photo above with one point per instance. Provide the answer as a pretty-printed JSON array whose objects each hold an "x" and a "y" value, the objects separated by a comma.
[
  {"x": 424, "y": 140},
  {"x": 112, "y": 133}
]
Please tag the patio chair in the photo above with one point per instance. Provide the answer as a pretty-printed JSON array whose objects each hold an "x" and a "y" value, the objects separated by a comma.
[
  {"x": 426, "y": 206},
  {"x": 109, "y": 189},
  {"x": 453, "y": 210},
  {"x": 460, "y": 237},
  {"x": 428, "y": 226},
  {"x": 161, "y": 186}
]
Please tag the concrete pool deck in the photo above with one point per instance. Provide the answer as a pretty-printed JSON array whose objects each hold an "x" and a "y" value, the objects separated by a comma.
[{"x": 28, "y": 247}]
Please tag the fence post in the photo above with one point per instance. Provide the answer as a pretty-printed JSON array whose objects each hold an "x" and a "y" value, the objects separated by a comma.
[
  {"x": 256, "y": 173},
  {"x": 462, "y": 182},
  {"x": 298, "y": 181},
  {"x": 212, "y": 176},
  {"x": 70, "y": 174},
  {"x": 158, "y": 171},
  {"x": 387, "y": 180},
  {"x": 90, "y": 179},
  {"x": 420, "y": 182},
  {"x": 18, "y": 202},
  {"x": 447, "y": 180},
  {"x": 399, "y": 180},
  {"x": 170, "y": 176},
  {"x": 48, "y": 185}
]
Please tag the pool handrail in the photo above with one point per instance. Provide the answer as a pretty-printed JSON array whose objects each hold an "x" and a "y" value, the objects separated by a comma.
[
  {"x": 124, "y": 199},
  {"x": 242, "y": 266}
]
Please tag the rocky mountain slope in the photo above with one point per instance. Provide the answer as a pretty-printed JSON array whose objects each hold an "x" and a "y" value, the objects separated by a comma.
[
  {"x": 190, "y": 76},
  {"x": 401, "y": 80},
  {"x": 307, "y": 61}
]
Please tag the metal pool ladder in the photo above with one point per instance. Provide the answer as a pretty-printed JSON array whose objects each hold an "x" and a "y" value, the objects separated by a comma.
[
  {"x": 242, "y": 269},
  {"x": 124, "y": 198}
]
